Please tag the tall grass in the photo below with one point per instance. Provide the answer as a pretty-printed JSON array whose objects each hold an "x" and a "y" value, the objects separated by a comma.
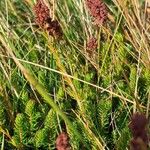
[{"x": 50, "y": 85}]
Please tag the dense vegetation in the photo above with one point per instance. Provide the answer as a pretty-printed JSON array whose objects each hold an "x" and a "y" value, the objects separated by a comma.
[{"x": 50, "y": 84}]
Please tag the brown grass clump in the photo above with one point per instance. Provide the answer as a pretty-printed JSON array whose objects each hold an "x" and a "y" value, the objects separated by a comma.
[
  {"x": 43, "y": 19},
  {"x": 62, "y": 142},
  {"x": 98, "y": 10},
  {"x": 139, "y": 131}
]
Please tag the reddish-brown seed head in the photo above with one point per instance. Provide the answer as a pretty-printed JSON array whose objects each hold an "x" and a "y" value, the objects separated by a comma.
[
  {"x": 92, "y": 43},
  {"x": 41, "y": 12},
  {"x": 138, "y": 126},
  {"x": 62, "y": 142},
  {"x": 98, "y": 10},
  {"x": 43, "y": 19}
]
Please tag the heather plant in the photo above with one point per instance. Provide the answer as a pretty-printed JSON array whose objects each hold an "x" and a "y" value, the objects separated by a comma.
[{"x": 73, "y": 73}]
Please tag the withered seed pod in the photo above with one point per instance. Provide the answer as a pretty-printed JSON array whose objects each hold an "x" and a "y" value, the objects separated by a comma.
[{"x": 53, "y": 28}]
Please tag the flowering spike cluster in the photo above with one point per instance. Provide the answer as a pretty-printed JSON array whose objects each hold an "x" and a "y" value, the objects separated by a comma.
[
  {"x": 43, "y": 19},
  {"x": 139, "y": 132},
  {"x": 91, "y": 45},
  {"x": 62, "y": 142},
  {"x": 98, "y": 10},
  {"x": 41, "y": 12}
]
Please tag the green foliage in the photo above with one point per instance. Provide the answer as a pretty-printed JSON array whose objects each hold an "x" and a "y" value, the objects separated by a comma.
[
  {"x": 2, "y": 112},
  {"x": 41, "y": 138},
  {"x": 21, "y": 131},
  {"x": 123, "y": 140},
  {"x": 97, "y": 96},
  {"x": 33, "y": 115},
  {"x": 104, "y": 110},
  {"x": 133, "y": 77}
]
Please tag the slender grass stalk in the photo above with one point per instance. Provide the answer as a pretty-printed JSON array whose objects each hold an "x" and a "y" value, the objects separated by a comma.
[
  {"x": 2, "y": 145},
  {"x": 96, "y": 142},
  {"x": 122, "y": 98},
  {"x": 68, "y": 80}
]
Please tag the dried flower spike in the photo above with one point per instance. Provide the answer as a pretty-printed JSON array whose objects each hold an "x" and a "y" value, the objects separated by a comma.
[
  {"x": 41, "y": 13},
  {"x": 91, "y": 45},
  {"x": 44, "y": 20},
  {"x": 138, "y": 144},
  {"x": 139, "y": 131},
  {"x": 53, "y": 28},
  {"x": 98, "y": 10},
  {"x": 62, "y": 142}
]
